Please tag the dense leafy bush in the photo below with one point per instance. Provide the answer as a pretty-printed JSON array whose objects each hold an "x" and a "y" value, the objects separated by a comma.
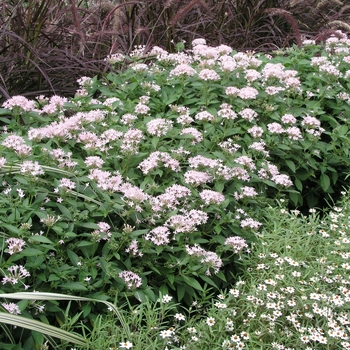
[{"x": 153, "y": 180}]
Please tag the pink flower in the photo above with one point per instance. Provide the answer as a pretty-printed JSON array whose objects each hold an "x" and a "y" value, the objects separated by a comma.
[
  {"x": 131, "y": 279},
  {"x": 159, "y": 127},
  {"x": 275, "y": 128},
  {"x": 248, "y": 93},
  {"x": 19, "y": 101},
  {"x": 236, "y": 243},
  {"x": 197, "y": 178},
  {"x": 248, "y": 113},
  {"x": 212, "y": 197},
  {"x": 182, "y": 69},
  {"x": 159, "y": 235},
  {"x": 15, "y": 245},
  {"x": 208, "y": 74},
  {"x": 193, "y": 132}
]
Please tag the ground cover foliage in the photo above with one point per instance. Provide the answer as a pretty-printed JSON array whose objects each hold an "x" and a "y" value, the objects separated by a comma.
[
  {"x": 151, "y": 183},
  {"x": 46, "y": 45}
]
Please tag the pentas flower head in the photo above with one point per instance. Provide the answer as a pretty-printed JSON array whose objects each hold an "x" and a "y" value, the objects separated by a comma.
[
  {"x": 212, "y": 197},
  {"x": 15, "y": 245},
  {"x": 66, "y": 184},
  {"x": 236, "y": 243},
  {"x": 208, "y": 74},
  {"x": 31, "y": 168},
  {"x": 159, "y": 127},
  {"x": 159, "y": 235},
  {"x": 182, "y": 70},
  {"x": 198, "y": 137},
  {"x": 196, "y": 178},
  {"x": 2, "y": 162},
  {"x": 94, "y": 162},
  {"x": 131, "y": 279},
  {"x": 21, "y": 102},
  {"x": 248, "y": 93}
]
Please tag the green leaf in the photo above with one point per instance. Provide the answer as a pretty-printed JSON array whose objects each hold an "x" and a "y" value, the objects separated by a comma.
[
  {"x": 66, "y": 212},
  {"x": 20, "y": 321},
  {"x": 76, "y": 286},
  {"x": 298, "y": 184},
  {"x": 32, "y": 252},
  {"x": 325, "y": 182},
  {"x": 192, "y": 282},
  {"x": 41, "y": 239},
  {"x": 290, "y": 165},
  {"x": 180, "y": 290}
]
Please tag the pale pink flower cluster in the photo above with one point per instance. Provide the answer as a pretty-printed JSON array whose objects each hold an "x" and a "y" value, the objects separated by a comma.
[
  {"x": 105, "y": 180},
  {"x": 212, "y": 197},
  {"x": 252, "y": 75},
  {"x": 150, "y": 87},
  {"x": 133, "y": 195},
  {"x": 63, "y": 158},
  {"x": 159, "y": 127},
  {"x": 128, "y": 119},
  {"x": 260, "y": 147},
  {"x": 246, "y": 60},
  {"x": 15, "y": 245},
  {"x": 115, "y": 58},
  {"x": 250, "y": 223},
  {"x": 133, "y": 249},
  {"x": 197, "y": 178},
  {"x": 312, "y": 125},
  {"x": 16, "y": 274},
  {"x": 131, "y": 279},
  {"x": 21, "y": 102},
  {"x": 203, "y": 162},
  {"x": 248, "y": 113},
  {"x": 275, "y": 128},
  {"x": 228, "y": 63},
  {"x": 159, "y": 235},
  {"x": 229, "y": 147},
  {"x": 294, "y": 133},
  {"x": 282, "y": 179},
  {"x": 248, "y": 93},
  {"x": 211, "y": 259},
  {"x": 112, "y": 102},
  {"x": 56, "y": 103},
  {"x": 182, "y": 70},
  {"x": 201, "y": 52},
  {"x": 131, "y": 140},
  {"x": 273, "y": 90},
  {"x": 288, "y": 119},
  {"x": 94, "y": 162},
  {"x": 255, "y": 131},
  {"x": 103, "y": 232},
  {"x": 170, "y": 199},
  {"x": 236, "y": 243},
  {"x": 31, "y": 168},
  {"x": 66, "y": 184},
  {"x": 198, "y": 137},
  {"x": 141, "y": 109},
  {"x": 204, "y": 116},
  {"x": 232, "y": 91},
  {"x": 11, "y": 308},
  {"x": 188, "y": 221},
  {"x": 18, "y": 144},
  {"x": 140, "y": 67},
  {"x": 156, "y": 158},
  {"x": 246, "y": 192},
  {"x": 246, "y": 162},
  {"x": 226, "y": 112},
  {"x": 208, "y": 74},
  {"x": 2, "y": 162}
]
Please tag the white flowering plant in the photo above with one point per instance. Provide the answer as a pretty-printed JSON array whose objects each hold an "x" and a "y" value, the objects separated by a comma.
[{"x": 154, "y": 179}]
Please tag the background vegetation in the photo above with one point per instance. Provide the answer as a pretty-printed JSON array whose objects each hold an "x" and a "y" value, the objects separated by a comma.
[{"x": 45, "y": 46}]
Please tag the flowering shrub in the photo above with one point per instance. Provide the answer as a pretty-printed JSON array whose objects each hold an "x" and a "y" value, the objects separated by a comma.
[{"x": 154, "y": 179}]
